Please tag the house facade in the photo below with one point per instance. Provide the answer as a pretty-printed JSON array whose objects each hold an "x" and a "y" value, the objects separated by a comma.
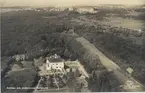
[{"x": 54, "y": 66}]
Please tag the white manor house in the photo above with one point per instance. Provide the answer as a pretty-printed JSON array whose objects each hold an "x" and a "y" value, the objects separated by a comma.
[
  {"x": 54, "y": 63},
  {"x": 54, "y": 66}
]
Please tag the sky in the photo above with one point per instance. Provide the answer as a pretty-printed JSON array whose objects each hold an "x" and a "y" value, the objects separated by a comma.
[{"x": 67, "y": 2}]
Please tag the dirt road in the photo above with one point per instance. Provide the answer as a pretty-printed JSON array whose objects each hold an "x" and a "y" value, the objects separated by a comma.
[{"x": 128, "y": 83}]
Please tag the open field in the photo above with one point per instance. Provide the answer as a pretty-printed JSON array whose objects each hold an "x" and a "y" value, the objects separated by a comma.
[{"x": 112, "y": 21}]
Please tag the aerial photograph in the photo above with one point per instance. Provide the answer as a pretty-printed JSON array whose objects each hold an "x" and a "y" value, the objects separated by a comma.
[{"x": 72, "y": 46}]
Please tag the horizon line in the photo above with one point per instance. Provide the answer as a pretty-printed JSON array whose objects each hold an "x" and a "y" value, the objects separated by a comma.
[{"x": 68, "y": 5}]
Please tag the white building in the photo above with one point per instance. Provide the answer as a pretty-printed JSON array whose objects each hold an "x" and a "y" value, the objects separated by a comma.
[
  {"x": 54, "y": 63},
  {"x": 20, "y": 57},
  {"x": 86, "y": 10},
  {"x": 70, "y": 9},
  {"x": 57, "y": 9},
  {"x": 54, "y": 66}
]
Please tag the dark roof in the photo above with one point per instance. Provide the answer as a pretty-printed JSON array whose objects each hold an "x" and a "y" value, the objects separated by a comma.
[{"x": 55, "y": 58}]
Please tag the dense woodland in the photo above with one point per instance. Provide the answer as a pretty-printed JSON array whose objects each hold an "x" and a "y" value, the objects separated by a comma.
[{"x": 28, "y": 32}]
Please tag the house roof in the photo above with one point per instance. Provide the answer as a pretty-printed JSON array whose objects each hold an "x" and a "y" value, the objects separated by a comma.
[{"x": 55, "y": 58}]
